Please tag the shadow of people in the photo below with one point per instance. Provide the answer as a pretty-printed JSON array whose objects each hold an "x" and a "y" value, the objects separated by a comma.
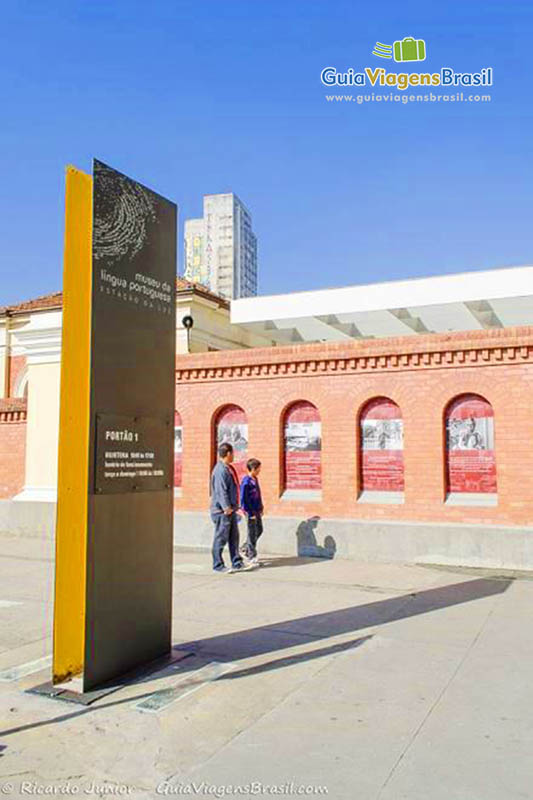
[
  {"x": 287, "y": 661},
  {"x": 307, "y": 544},
  {"x": 314, "y": 628},
  {"x": 330, "y": 546}
]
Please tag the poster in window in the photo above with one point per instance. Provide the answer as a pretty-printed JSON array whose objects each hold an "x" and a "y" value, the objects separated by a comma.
[
  {"x": 232, "y": 427},
  {"x": 178, "y": 450},
  {"x": 382, "y": 463},
  {"x": 470, "y": 446},
  {"x": 303, "y": 445}
]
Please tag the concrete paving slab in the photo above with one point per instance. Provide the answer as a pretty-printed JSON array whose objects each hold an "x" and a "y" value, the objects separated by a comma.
[
  {"x": 356, "y": 716},
  {"x": 288, "y": 608},
  {"x": 29, "y": 651},
  {"x": 475, "y": 744},
  {"x": 21, "y": 670},
  {"x": 315, "y": 571},
  {"x": 379, "y": 683}
]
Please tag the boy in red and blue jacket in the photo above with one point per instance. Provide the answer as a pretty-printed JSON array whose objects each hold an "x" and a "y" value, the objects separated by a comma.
[{"x": 252, "y": 505}]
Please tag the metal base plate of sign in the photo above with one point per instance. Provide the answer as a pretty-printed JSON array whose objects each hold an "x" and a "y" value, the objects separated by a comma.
[{"x": 62, "y": 692}]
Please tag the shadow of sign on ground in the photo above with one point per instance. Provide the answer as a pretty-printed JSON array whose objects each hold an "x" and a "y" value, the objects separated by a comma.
[
  {"x": 316, "y": 627},
  {"x": 285, "y": 634}
]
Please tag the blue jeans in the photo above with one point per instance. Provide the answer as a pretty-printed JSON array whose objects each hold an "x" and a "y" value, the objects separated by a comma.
[
  {"x": 226, "y": 532},
  {"x": 255, "y": 529}
]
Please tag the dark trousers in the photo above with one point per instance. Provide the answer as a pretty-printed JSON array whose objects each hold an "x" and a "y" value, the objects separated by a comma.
[
  {"x": 226, "y": 532},
  {"x": 255, "y": 529}
]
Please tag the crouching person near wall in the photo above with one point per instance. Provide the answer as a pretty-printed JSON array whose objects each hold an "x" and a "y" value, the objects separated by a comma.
[{"x": 224, "y": 507}]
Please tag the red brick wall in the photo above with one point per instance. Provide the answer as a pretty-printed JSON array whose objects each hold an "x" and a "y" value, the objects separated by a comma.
[
  {"x": 12, "y": 446},
  {"x": 17, "y": 365},
  {"x": 421, "y": 374}
]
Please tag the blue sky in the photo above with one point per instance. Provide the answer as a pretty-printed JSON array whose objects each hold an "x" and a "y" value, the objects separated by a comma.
[{"x": 200, "y": 97}]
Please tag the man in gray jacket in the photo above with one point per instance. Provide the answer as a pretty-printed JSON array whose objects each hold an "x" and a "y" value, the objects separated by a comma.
[{"x": 224, "y": 505}]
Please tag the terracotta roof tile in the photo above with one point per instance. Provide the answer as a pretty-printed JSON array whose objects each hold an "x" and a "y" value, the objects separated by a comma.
[
  {"x": 184, "y": 285},
  {"x": 55, "y": 300}
]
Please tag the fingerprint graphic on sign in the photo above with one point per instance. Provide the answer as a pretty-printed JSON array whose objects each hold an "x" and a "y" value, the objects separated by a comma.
[{"x": 121, "y": 219}]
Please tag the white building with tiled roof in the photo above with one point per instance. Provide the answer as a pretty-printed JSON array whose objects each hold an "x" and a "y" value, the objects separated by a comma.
[{"x": 30, "y": 355}]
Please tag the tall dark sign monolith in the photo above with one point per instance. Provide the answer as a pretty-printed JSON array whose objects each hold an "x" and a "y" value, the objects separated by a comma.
[{"x": 119, "y": 335}]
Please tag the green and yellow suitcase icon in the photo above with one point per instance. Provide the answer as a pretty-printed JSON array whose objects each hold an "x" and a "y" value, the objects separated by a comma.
[{"x": 410, "y": 49}]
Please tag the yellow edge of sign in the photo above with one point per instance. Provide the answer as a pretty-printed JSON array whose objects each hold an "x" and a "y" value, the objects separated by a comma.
[{"x": 73, "y": 461}]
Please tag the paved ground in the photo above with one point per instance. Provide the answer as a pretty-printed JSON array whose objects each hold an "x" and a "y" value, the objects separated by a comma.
[{"x": 380, "y": 682}]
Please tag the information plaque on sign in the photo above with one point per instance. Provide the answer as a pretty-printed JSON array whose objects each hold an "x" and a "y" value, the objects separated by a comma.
[{"x": 132, "y": 454}]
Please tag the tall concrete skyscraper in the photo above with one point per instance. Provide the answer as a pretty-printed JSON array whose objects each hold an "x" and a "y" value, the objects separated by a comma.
[{"x": 221, "y": 248}]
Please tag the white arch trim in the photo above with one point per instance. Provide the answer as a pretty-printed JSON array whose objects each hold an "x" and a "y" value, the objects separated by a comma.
[{"x": 21, "y": 383}]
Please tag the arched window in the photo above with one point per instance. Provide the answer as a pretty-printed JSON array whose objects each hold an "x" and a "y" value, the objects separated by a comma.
[
  {"x": 302, "y": 431},
  {"x": 232, "y": 427},
  {"x": 470, "y": 459},
  {"x": 178, "y": 450},
  {"x": 381, "y": 457}
]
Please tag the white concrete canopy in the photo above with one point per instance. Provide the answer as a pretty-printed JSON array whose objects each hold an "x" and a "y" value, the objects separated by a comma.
[{"x": 497, "y": 298}]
